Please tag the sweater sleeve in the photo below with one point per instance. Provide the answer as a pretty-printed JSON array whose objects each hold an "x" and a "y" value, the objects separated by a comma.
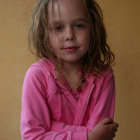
[
  {"x": 105, "y": 102},
  {"x": 36, "y": 122}
]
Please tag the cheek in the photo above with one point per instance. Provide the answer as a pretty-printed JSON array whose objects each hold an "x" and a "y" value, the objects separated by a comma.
[
  {"x": 85, "y": 39},
  {"x": 55, "y": 44},
  {"x": 53, "y": 41}
]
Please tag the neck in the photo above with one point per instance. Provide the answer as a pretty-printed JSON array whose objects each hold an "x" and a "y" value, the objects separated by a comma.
[
  {"x": 71, "y": 68},
  {"x": 70, "y": 72}
]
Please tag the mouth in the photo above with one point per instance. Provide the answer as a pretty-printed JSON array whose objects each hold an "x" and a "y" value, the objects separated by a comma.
[{"x": 71, "y": 49}]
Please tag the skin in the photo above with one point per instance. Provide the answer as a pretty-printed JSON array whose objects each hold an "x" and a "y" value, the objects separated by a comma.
[
  {"x": 105, "y": 130},
  {"x": 68, "y": 27},
  {"x": 69, "y": 36}
]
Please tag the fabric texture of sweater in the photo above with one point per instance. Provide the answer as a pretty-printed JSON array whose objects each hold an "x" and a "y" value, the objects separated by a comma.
[{"x": 51, "y": 112}]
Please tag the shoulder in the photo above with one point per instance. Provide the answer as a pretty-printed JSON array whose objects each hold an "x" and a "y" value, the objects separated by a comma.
[
  {"x": 39, "y": 78},
  {"x": 107, "y": 73},
  {"x": 108, "y": 78},
  {"x": 43, "y": 66},
  {"x": 39, "y": 71}
]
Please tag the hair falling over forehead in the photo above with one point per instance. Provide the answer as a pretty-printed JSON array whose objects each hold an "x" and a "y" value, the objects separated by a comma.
[{"x": 99, "y": 56}]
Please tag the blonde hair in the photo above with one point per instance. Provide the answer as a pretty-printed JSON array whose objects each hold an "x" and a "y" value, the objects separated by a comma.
[{"x": 99, "y": 56}]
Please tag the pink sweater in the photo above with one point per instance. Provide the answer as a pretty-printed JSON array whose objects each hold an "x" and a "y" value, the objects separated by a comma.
[{"x": 50, "y": 111}]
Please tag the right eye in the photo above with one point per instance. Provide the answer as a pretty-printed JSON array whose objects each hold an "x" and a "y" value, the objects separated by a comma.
[{"x": 58, "y": 28}]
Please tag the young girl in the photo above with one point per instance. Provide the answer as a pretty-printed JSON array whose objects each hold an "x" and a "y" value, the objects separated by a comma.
[{"x": 69, "y": 93}]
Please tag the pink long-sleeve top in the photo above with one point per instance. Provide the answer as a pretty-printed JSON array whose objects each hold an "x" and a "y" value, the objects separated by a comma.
[{"x": 50, "y": 110}]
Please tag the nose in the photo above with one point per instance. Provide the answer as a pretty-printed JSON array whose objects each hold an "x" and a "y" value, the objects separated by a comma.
[{"x": 69, "y": 34}]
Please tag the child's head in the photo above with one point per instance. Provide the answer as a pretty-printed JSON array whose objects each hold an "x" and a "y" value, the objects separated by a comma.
[{"x": 71, "y": 30}]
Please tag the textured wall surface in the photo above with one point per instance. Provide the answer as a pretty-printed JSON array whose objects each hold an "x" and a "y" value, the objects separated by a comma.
[{"x": 122, "y": 21}]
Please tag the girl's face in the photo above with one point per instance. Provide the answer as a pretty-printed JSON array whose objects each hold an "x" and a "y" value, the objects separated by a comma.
[{"x": 68, "y": 29}]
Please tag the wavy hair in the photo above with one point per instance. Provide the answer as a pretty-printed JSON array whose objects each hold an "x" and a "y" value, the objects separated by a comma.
[{"x": 99, "y": 56}]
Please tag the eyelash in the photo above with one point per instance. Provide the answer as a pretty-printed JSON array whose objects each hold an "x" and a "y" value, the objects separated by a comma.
[
  {"x": 79, "y": 25},
  {"x": 60, "y": 27}
]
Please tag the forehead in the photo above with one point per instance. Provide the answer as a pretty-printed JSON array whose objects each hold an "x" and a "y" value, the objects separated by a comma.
[{"x": 66, "y": 9}]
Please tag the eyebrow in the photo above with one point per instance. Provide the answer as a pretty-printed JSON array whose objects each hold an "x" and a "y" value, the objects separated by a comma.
[
  {"x": 55, "y": 22},
  {"x": 80, "y": 19}
]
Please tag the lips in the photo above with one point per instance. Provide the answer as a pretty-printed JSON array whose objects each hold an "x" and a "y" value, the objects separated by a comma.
[{"x": 71, "y": 49}]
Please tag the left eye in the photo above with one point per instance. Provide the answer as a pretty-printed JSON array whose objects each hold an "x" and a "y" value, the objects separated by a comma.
[{"x": 79, "y": 25}]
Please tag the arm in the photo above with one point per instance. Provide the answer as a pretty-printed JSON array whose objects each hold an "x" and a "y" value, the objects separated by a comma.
[
  {"x": 105, "y": 102},
  {"x": 98, "y": 127},
  {"x": 104, "y": 106},
  {"x": 36, "y": 121}
]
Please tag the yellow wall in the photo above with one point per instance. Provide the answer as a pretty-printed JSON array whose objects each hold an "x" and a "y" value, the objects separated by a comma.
[{"x": 122, "y": 21}]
